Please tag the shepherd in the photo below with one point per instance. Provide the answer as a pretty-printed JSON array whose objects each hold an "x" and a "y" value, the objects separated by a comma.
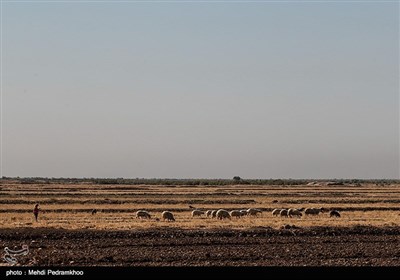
[{"x": 36, "y": 211}]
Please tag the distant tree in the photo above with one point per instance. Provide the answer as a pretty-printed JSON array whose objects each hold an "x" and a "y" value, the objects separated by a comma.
[{"x": 237, "y": 178}]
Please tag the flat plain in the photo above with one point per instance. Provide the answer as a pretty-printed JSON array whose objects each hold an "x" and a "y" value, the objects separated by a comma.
[{"x": 67, "y": 233}]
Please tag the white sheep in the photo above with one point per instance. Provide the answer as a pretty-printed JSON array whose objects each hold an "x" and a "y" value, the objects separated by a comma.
[
  {"x": 294, "y": 212},
  {"x": 168, "y": 216},
  {"x": 312, "y": 211},
  {"x": 276, "y": 212},
  {"x": 208, "y": 213},
  {"x": 253, "y": 212},
  {"x": 235, "y": 213},
  {"x": 243, "y": 212},
  {"x": 197, "y": 213},
  {"x": 213, "y": 213},
  {"x": 223, "y": 214},
  {"x": 141, "y": 214},
  {"x": 283, "y": 213}
]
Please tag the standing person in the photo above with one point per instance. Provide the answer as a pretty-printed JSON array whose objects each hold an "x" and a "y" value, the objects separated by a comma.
[{"x": 36, "y": 211}]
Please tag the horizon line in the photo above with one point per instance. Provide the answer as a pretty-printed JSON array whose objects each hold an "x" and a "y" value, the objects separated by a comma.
[{"x": 158, "y": 178}]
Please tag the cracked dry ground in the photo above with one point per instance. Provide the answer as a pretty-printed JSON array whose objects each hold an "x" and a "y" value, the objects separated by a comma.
[{"x": 317, "y": 246}]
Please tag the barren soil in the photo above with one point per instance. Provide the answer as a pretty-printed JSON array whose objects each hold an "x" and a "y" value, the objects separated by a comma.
[{"x": 315, "y": 246}]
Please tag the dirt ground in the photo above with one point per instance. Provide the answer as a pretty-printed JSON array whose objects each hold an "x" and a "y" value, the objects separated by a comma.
[{"x": 314, "y": 246}]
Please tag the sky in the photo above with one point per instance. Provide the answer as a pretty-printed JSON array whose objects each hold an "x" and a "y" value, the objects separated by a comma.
[{"x": 200, "y": 90}]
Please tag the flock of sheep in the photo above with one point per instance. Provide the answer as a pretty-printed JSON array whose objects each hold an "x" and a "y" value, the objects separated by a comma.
[
  {"x": 166, "y": 215},
  {"x": 224, "y": 214},
  {"x": 299, "y": 212}
]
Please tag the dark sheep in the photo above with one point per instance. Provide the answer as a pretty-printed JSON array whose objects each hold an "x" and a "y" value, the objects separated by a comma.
[{"x": 334, "y": 213}]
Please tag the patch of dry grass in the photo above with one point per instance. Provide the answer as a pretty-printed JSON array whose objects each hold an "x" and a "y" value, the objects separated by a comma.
[{"x": 184, "y": 220}]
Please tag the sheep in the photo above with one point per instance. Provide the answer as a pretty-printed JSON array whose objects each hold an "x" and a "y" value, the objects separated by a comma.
[
  {"x": 276, "y": 212},
  {"x": 243, "y": 212},
  {"x": 223, "y": 214},
  {"x": 313, "y": 211},
  {"x": 143, "y": 214},
  {"x": 167, "y": 216},
  {"x": 283, "y": 213},
  {"x": 197, "y": 213},
  {"x": 213, "y": 213},
  {"x": 235, "y": 213},
  {"x": 334, "y": 213},
  {"x": 208, "y": 213},
  {"x": 253, "y": 212},
  {"x": 294, "y": 212}
]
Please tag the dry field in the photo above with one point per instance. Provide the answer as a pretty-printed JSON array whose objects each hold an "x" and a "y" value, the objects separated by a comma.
[
  {"x": 70, "y": 206},
  {"x": 367, "y": 233}
]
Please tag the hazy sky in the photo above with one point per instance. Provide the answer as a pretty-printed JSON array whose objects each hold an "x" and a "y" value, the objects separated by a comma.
[{"x": 201, "y": 90}]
